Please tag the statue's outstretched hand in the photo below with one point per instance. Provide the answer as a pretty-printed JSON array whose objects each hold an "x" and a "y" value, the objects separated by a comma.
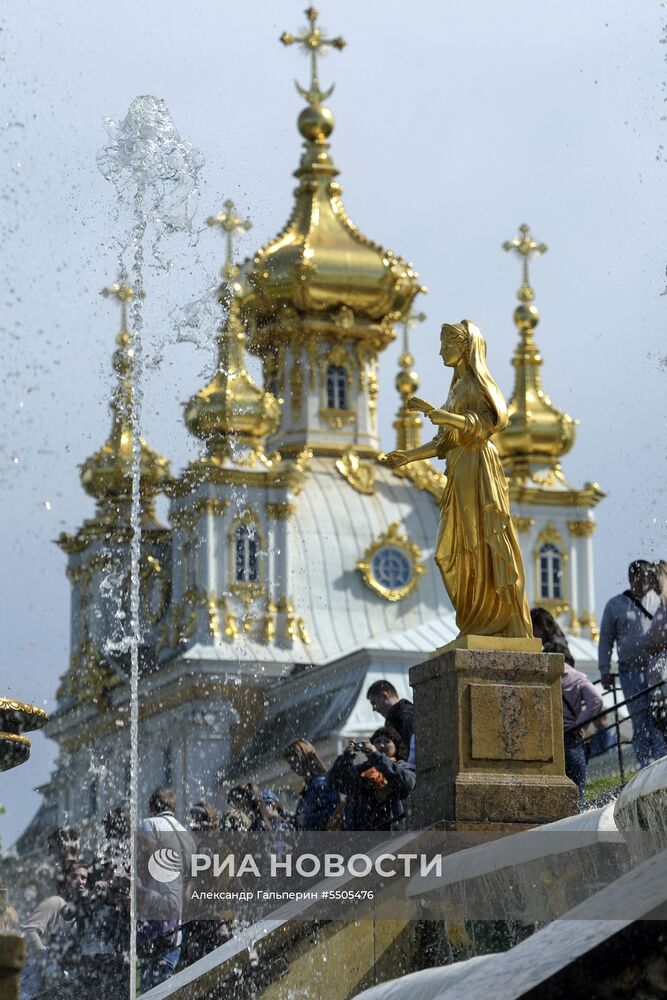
[
  {"x": 415, "y": 403},
  {"x": 394, "y": 459},
  {"x": 437, "y": 417}
]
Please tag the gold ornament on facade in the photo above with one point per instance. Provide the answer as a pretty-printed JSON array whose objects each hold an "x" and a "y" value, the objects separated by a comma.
[
  {"x": 587, "y": 620},
  {"x": 391, "y": 565},
  {"x": 523, "y": 524},
  {"x": 184, "y": 621},
  {"x": 155, "y": 589},
  {"x": 372, "y": 381},
  {"x": 295, "y": 627},
  {"x": 276, "y": 473},
  {"x": 337, "y": 418},
  {"x": 280, "y": 511},
  {"x": 359, "y": 474},
  {"x": 581, "y": 529},
  {"x": 550, "y": 535},
  {"x": 544, "y": 493},
  {"x": 296, "y": 382},
  {"x": 89, "y": 679},
  {"x": 269, "y": 623}
]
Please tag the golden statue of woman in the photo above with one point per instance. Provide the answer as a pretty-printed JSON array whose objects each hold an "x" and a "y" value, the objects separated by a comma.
[{"x": 477, "y": 551}]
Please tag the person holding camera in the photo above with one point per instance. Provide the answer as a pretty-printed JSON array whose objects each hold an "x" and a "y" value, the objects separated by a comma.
[
  {"x": 377, "y": 788},
  {"x": 98, "y": 922}
]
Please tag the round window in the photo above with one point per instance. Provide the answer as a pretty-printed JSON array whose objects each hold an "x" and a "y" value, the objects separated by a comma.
[{"x": 392, "y": 567}]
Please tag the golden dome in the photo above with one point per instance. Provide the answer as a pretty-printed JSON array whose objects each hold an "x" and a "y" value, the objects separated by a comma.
[
  {"x": 232, "y": 408},
  {"x": 538, "y": 434},
  {"x": 320, "y": 264},
  {"x": 107, "y": 475}
]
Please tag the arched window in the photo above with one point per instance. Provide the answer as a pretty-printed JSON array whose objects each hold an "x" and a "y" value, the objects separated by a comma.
[
  {"x": 247, "y": 567},
  {"x": 551, "y": 572},
  {"x": 337, "y": 388}
]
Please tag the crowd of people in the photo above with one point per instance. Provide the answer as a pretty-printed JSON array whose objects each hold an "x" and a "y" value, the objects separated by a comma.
[{"x": 77, "y": 936}]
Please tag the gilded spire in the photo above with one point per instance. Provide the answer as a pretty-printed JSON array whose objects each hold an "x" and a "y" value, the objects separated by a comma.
[
  {"x": 107, "y": 475},
  {"x": 232, "y": 409},
  {"x": 408, "y": 423},
  {"x": 537, "y": 433},
  {"x": 314, "y": 43}
]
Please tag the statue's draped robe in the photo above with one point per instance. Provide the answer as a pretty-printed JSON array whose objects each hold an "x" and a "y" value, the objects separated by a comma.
[{"x": 477, "y": 550}]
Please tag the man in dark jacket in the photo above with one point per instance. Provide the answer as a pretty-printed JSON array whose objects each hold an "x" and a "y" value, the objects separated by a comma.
[
  {"x": 376, "y": 790},
  {"x": 397, "y": 712}
]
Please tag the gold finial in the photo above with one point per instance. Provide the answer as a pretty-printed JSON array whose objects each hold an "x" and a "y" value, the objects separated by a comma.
[
  {"x": 231, "y": 224},
  {"x": 123, "y": 292},
  {"x": 406, "y": 360},
  {"x": 108, "y": 474},
  {"x": 408, "y": 422},
  {"x": 231, "y": 409},
  {"x": 526, "y": 247},
  {"x": 537, "y": 433},
  {"x": 314, "y": 42}
]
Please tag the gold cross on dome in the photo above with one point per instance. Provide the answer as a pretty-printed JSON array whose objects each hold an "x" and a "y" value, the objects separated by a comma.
[
  {"x": 314, "y": 43},
  {"x": 410, "y": 320},
  {"x": 231, "y": 224},
  {"x": 526, "y": 247},
  {"x": 122, "y": 292}
]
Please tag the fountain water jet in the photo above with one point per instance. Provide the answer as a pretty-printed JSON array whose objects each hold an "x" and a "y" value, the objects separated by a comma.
[{"x": 155, "y": 174}]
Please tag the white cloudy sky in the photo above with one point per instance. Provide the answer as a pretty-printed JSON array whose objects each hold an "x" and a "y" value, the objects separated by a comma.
[{"x": 456, "y": 122}]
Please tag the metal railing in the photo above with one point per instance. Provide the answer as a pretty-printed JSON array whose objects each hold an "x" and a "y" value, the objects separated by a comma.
[{"x": 617, "y": 722}]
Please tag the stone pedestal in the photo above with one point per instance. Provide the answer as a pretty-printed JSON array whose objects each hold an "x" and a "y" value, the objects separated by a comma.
[
  {"x": 489, "y": 739},
  {"x": 12, "y": 957}
]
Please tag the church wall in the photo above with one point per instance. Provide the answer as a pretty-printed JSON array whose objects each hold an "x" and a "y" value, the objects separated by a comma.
[
  {"x": 307, "y": 416},
  {"x": 569, "y": 529}
]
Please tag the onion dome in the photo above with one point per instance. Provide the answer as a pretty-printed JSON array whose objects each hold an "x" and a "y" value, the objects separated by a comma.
[
  {"x": 537, "y": 434},
  {"x": 232, "y": 409},
  {"x": 320, "y": 263},
  {"x": 107, "y": 475}
]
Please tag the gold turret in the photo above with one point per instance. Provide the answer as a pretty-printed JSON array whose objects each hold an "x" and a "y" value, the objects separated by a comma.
[
  {"x": 408, "y": 423},
  {"x": 320, "y": 276},
  {"x": 537, "y": 434},
  {"x": 107, "y": 475},
  {"x": 232, "y": 410}
]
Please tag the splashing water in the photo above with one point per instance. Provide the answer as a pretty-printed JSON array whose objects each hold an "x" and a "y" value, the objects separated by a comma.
[
  {"x": 155, "y": 174},
  {"x": 146, "y": 152}
]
